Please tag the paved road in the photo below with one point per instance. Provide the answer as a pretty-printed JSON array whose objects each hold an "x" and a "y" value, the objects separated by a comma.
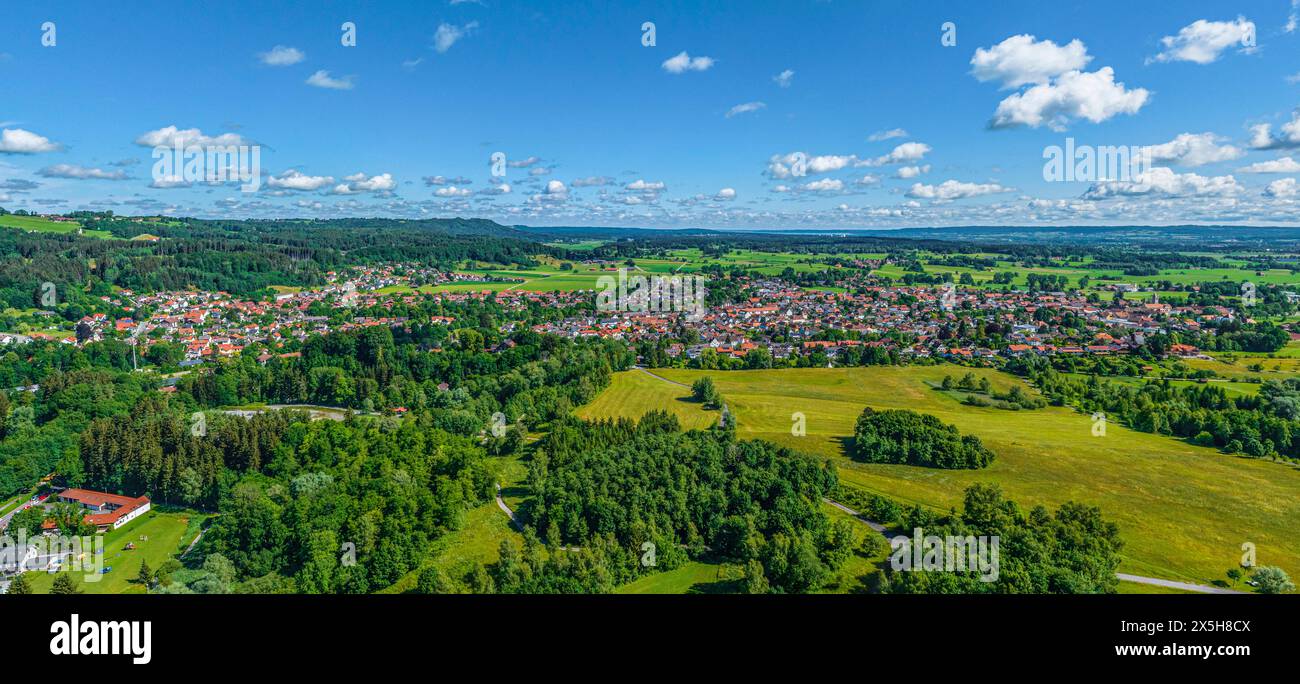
[
  {"x": 501, "y": 503},
  {"x": 1185, "y": 586},
  {"x": 671, "y": 382}
]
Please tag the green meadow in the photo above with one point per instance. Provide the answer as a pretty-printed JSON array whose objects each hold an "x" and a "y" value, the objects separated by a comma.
[
  {"x": 44, "y": 225},
  {"x": 157, "y": 537},
  {"x": 1184, "y": 511}
]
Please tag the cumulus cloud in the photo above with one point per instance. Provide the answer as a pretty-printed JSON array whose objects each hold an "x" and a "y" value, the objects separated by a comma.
[
  {"x": 867, "y": 180},
  {"x": 1263, "y": 138},
  {"x": 20, "y": 141},
  {"x": 824, "y": 185},
  {"x": 1022, "y": 59},
  {"x": 745, "y": 108},
  {"x": 1283, "y": 188},
  {"x": 953, "y": 190},
  {"x": 1058, "y": 89},
  {"x": 171, "y": 136},
  {"x": 169, "y": 183},
  {"x": 295, "y": 180},
  {"x": 911, "y": 171},
  {"x": 76, "y": 172},
  {"x": 906, "y": 152},
  {"x": 323, "y": 79},
  {"x": 1279, "y": 165},
  {"x": 452, "y": 191},
  {"x": 360, "y": 182},
  {"x": 887, "y": 135},
  {"x": 683, "y": 62},
  {"x": 1094, "y": 96},
  {"x": 785, "y": 78},
  {"x": 643, "y": 186},
  {"x": 1190, "y": 149},
  {"x": 1203, "y": 42},
  {"x": 725, "y": 195},
  {"x": 1162, "y": 181},
  {"x": 784, "y": 166},
  {"x": 282, "y": 55}
]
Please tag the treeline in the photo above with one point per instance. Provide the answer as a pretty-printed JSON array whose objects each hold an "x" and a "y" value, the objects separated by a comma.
[
  {"x": 243, "y": 257},
  {"x": 1263, "y": 426},
  {"x": 911, "y": 438},
  {"x": 1073, "y": 550},
  {"x": 528, "y": 377}
]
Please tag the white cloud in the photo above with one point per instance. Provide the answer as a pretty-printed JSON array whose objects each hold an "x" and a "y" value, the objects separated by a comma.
[
  {"x": 824, "y": 185},
  {"x": 953, "y": 190},
  {"x": 1279, "y": 165},
  {"x": 785, "y": 78},
  {"x": 869, "y": 179},
  {"x": 452, "y": 191},
  {"x": 295, "y": 180},
  {"x": 169, "y": 183},
  {"x": 19, "y": 141},
  {"x": 1262, "y": 137},
  {"x": 783, "y": 166},
  {"x": 592, "y": 181},
  {"x": 726, "y": 194},
  {"x": 1094, "y": 96},
  {"x": 684, "y": 62},
  {"x": 906, "y": 152},
  {"x": 1283, "y": 188},
  {"x": 1203, "y": 42},
  {"x": 639, "y": 184},
  {"x": 1293, "y": 19},
  {"x": 887, "y": 135},
  {"x": 447, "y": 35},
  {"x": 1021, "y": 60},
  {"x": 171, "y": 136},
  {"x": 744, "y": 108},
  {"x": 282, "y": 55},
  {"x": 556, "y": 187},
  {"x": 443, "y": 180},
  {"x": 523, "y": 163},
  {"x": 1190, "y": 149},
  {"x": 323, "y": 79},
  {"x": 911, "y": 171},
  {"x": 1163, "y": 181},
  {"x": 360, "y": 182},
  {"x": 75, "y": 172}
]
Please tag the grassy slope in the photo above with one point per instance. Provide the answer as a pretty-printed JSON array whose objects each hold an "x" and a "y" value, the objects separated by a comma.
[{"x": 1184, "y": 511}]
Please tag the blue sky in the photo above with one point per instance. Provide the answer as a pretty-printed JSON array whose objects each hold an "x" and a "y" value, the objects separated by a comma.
[{"x": 891, "y": 126}]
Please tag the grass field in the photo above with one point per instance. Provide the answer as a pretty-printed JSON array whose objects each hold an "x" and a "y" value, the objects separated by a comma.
[
  {"x": 168, "y": 535},
  {"x": 43, "y": 225},
  {"x": 1184, "y": 511}
]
